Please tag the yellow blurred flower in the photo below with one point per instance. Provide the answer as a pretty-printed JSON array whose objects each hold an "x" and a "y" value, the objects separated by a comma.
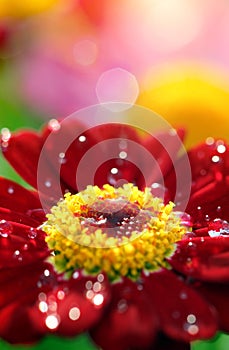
[
  {"x": 190, "y": 96},
  {"x": 23, "y": 8}
]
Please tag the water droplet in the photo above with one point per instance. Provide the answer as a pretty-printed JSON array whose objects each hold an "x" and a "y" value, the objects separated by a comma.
[
  {"x": 46, "y": 273},
  {"x": 89, "y": 285},
  {"x": 98, "y": 299},
  {"x": 97, "y": 287},
  {"x": 61, "y": 158},
  {"x": 140, "y": 287},
  {"x": 158, "y": 190},
  {"x": 75, "y": 275},
  {"x": 191, "y": 329},
  {"x": 17, "y": 255},
  {"x": 183, "y": 295},
  {"x": 185, "y": 219},
  {"x": 6, "y": 228},
  {"x": 122, "y": 144},
  {"x": 52, "y": 321},
  {"x": 42, "y": 296},
  {"x": 82, "y": 138},
  {"x": 10, "y": 190},
  {"x": 218, "y": 227},
  {"x": 89, "y": 294},
  {"x": 48, "y": 183},
  {"x": 6, "y": 134},
  {"x": 122, "y": 306},
  {"x": 221, "y": 148},
  {"x": 114, "y": 171},
  {"x": 100, "y": 277},
  {"x": 191, "y": 319},
  {"x": 209, "y": 141},
  {"x": 54, "y": 125},
  {"x": 216, "y": 159},
  {"x": 218, "y": 209},
  {"x": 123, "y": 155},
  {"x": 43, "y": 306},
  {"x": 74, "y": 313},
  {"x": 60, "y": 294},
  {"x": 32, "y": 234}
]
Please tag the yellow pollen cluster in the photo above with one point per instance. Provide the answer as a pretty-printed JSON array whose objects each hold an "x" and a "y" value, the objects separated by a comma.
[{"x": 76, "y": 247}]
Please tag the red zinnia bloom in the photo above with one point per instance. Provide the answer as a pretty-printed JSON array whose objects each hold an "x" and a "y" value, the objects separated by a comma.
[{"x": 176, "y": 298}]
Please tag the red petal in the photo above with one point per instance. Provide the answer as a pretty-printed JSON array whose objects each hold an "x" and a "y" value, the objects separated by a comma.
[
  {"x": 217, "y": 295},
  {"x": 164, "y": 148},
  {"x": 10, "y": 215},
  {"x": 85, "y": 157},
  {"x": 20, "y": 244},
  {"x": 209, "y": 196},
  {"x": 204, "y": 258},
  {"x": 64, "y": 150},
  {"x": 130, "y": 320},
  {"x": 16, "y": 197},
  {"x": 23, "y": 152},
  {"x": 183, "y": 314},
  {"x": 73, "y": 307},
  {"x": 17, "y": 298}
]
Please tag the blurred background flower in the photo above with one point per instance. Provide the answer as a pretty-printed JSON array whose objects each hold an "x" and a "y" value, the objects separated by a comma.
[{"x": 57, "y": 56}]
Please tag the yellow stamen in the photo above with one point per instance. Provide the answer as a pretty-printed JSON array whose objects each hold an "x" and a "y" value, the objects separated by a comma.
[{"x": 80, "y": 239}]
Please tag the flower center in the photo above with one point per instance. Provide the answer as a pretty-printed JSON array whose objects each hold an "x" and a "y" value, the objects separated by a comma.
[
  {"x": 120, "y": 231},
  {"x": 116, "y": 217}
]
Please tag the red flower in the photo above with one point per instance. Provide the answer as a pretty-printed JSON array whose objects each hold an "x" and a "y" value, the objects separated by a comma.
[{"x": 168, "y": 307}]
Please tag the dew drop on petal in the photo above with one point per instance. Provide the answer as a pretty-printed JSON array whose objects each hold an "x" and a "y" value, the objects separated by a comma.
[
  {"x": 46, "y": 273},
  {"x": 123, "y": 155},
  {"x": 215, "y": 159},
  {"x": 60, "y": 294},
  {"x": 10, "y": 190},
  {"x": 122, "y": 306},
  {"x": 17, "y": 255},
  {"x": 114, "y": 171},
  {"x": 158, "y": 190},
  {"x": 191, "y": 318},
  {"x": 61, "y": 158},
  {"x": 210, "y": 141},
  {"x": 6, "y": 228},
  {"x": 183, "y": 295},
  {"x": 75, "y": 275},
  {"x": 218, "y": 227},
  {"x": 97, "y": 287},
  {"x": 52, "y": 321},
  {"x": 98, "y": 299},
  {"x": 32, "y": 234},
  {"x": 5, "y": 135},
  {"x": 74, "y": 313},
  {"x": 48, "y": 183},
  {"x": 54, "y": 125},
  {"x": 100, "y": 278},
  {"x": 89, "y": 285},
  {"x": 42, "y": 296},
  {"x": 192, "y": 329},
  {"x": 82, "y": 138},
  {"x": 43, "y": 306},
  {"x": 221, "y": 148},
  {"x": 185, "y": 219}
]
